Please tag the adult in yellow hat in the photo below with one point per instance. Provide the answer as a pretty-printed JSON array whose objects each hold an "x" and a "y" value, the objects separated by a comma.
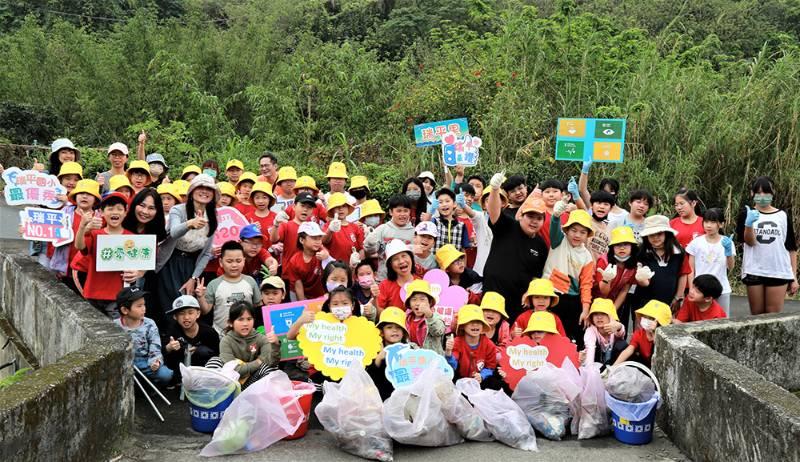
[
  {"x": 138, "y": 174},
  {"x": 189, "y": 172},
  {"x": 120, "y": 183},
  {"x": 233, "y": 170},
  {"x": 227, "y": 194},
  {"x": 89, "y": 191}
]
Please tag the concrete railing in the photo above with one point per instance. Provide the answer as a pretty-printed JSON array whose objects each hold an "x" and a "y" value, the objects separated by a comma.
[
  {"x": 80, "y": 402},
  {"x": 725, "y": 388}
]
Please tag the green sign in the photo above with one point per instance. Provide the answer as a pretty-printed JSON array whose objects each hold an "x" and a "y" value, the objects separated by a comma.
[{"x": 569, "y": 150}]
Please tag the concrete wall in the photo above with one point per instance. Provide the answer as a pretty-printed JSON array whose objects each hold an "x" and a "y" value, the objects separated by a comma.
[
  {"x": 81, "y": 400},
  {"x": 717, "y": 409}
]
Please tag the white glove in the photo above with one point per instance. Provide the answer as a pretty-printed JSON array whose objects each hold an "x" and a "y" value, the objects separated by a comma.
[
  {"x": 609, "y": 273},
  {"x": 282, "y": 217},
  {"x": 355, "y": 259},
  {"x": 335, "y": 225},
  {"x": 497, "y": 180},
  {"x": 643, "y": 273},
  {"x": 559, "y": 208}
]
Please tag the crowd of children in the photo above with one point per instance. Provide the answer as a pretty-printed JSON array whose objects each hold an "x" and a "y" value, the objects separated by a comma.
[{"x": 555, "y": 259}]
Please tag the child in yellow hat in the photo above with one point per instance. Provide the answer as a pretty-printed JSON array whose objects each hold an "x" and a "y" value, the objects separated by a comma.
[
  {"x": 494, "y": 312},
  {"x": 425, "y": 327},
  {"x": 540, "y": 297},
  {"x": 454, "y": 263},
  {"x": 169, "y": 197},
  {"x": 471, "y": 354},
  {"x": 605, "y": 337},
  {"x": 243, "y": 189},
  {"x": 337, "y": 180},
  {"x": 650, "y": 317},
  {"x": 392, "y": 325},
  {"x": 227, "y": 193},
  {"x": 262, "y": 199},
  {"x": 616, "y": 271},
  {"x": 540, "y": 325}
]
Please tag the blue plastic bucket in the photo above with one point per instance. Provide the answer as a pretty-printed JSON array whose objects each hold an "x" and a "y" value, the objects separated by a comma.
[
  {"x": 634, "y": 422},
  {"x": 205, "y": 420}
]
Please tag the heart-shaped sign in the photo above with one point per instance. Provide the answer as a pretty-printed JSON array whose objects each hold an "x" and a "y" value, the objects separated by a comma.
[
  {"x": 523, "y": 355},
  {"x": 331, "y": 345},
  {"x": 404, "y": 364},
  {"x": 449, "y": 298}
]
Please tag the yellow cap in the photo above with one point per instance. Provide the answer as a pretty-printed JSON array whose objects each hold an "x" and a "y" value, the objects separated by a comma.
[
  {"x": 469, "y": 313},
  {"x": 190, "y": 169},
  {"x": 486, "y": 191},
  {"x": 286, "y": 173},
  {"x": 338, "y": 200},
  {"x": 419, "y": 286},
  {"x": 169, "y": 188},
  {"x": 337, "y": 170},
  {"x": 182, "y": 186},
  {"x": 371, "y": 207},
  {"x": 118, "y": 181},
  {"x": 393, "y": 315},
  {"x": 495, "y": 302},
  {"x": 247, "y": 176},
  {"x": 606, "y": 306},
  {"x": 263, "y": 187},
  {"x": 580, "y": 217},
  {"x": 234, "y": 163},
  {"x": 541, "y": 321},
  {"x": 306, "y": 182},
  {"x": 622, "y": 235},
  {"x": 359, "y": 181},
  {"x": 543, "y": 288},
  {"x": 86, "y": 186},
  {"x": 70, "y": 168},
  {"x": 139, "y": 165},
  {"x": 446, "y": 255},
  {"x": 659, "y": 311}
]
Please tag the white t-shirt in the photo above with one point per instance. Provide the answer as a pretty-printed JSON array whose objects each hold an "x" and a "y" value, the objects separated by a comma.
[
  {"x": 637, "y": 227},
  {"x": 281, "y": 204},
  {"x": 770, "y": 257},
  {"x": 617, "y": 216},
  {"x": 221, "y": 294},
  {"x": 710, "y": 259}
]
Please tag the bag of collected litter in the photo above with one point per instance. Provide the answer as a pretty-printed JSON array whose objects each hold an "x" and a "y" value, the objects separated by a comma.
[
  {"x": 504, "y": 419},
  {"x": 458, "y": 411},
  {"x": 543, "y": 401},
  {"x": 352, "y": 411},
  {"x": 571, "y": 384},
  {"x": 257, "y": 418},
  {"x": 629, "y": 384},
  {"x": 594, "y": 418},
  {"x": 413, "y": 415},
  {"x": 208, "y": 387}
]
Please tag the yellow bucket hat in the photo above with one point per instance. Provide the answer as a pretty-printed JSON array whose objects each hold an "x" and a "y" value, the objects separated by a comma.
[
  {"x": 262, "y": 187},
  {"x": 542, "y": 287},
  {"x": 605, "y": 306},
  {"x": 622, "y": 235},
  {"x": 659, "y": 311},
  {"x": 87, "y": 186},
  {"x": 338, "y": 200},
  {"x": 446, "y": 255},
  {"x": 371, "y": 207},
  {"x": 234, "y": 163},
  {"x": 247, "y": 176},
  {"x": 580, "y": 217},
  {"x": 495, "y": 302},
  {"x": 70, "y": 168},
  {"x": 337, "y": 170},
  {"x": 139, "y": 165},
  {"x": 190, "y": 169},
  {"x": 358, "y": 181},
  {"x": 469, "y": 313},
  {"x": 419, "y": 286},
  {"x": 286, "y": 173},
  {"x": 169, "y": 188},
  {"x": 541, "y": 321},
  {"x": 393, "y": 315},
  {"x": 182, "y": 187},
  {"x": 306, "y": 182},
  {"x": 118, "y": 181},
  {"x": 226, "y": 189}
]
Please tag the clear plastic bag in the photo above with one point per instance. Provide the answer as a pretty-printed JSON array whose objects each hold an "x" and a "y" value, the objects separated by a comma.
[
  {"x": 629, "y": 384},
  {"x": 458, "y": 411},
  {"x": 208, "y": 387},
  {"x": 257, "y": 418},
  {"x": 352, "y": 411},
  {"x": 413, "y": 415},
  {"x": 571, "y": 383},
  {"x": 504, "y": 419},
  {"x": 593, "y": 419},
  {"x": 543, "y": 401}
]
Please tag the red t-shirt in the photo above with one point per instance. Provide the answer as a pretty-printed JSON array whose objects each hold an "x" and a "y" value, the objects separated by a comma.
[
  {"x": 76, "y": 223},
  {"x": 309, "y": 273},
  {"x": 287, "y": 233},
  {"x": 544, "y": 231},
  {"x": 319, "y": 215},
  {"x": 390, "y": 294},
  {"x": 100, "y": 285},
  {"x": 471, "y": 361},
  {"x": 252, "y": 266},
  {"x": 624, "y": 276},
  {"x": 263, "y": 223},
  {"x": 687, "y": 232},
  {"x": 689, "y": 312},
  {"x": 642, "y": 345},
  {"x": 246, "y": 209},
  {"x": 343, "y": 241},
  {"x": 522, "y": 322}
]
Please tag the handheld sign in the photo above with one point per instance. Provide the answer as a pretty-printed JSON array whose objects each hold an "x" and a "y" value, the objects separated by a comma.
[
  {"x": 47, "y": 225},
  {"x": 229, "y": 222},
  {"x": 523, "y": 355},
  {"x": 404, "y": 364},
  {"x": 460, "y": 150},
  {"x": 123, "y": 252},
  {"x": 449, "y": 298},
  {"x": 32, "y": 187},
  {"x": 431, "y": 133},
  {"x": 331, "y": 345},
  {"x": 281, "y": 317},
  {"x": 598, "y": 140}
]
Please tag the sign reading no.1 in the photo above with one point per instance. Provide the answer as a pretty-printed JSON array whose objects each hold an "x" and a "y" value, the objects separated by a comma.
[{"x": 598, "y": 140}]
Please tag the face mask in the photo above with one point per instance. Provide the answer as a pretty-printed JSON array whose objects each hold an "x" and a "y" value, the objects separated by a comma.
[
  {"x": 622, "y": 259},
  {"x": 648, "y": 324},
  {"x": 342, "y": 312},
  {"x": 330, "y": 285},
  {"x": 359, "y": 193},
  {"x": 413, "y": 195},
  {"x": 762, "y": 199},
  {"x": 372, "y": 221},
  {"x": 210, "y": 172},
  {"x": 366, "y": 281},
  {"x": 156, "y": 169}
]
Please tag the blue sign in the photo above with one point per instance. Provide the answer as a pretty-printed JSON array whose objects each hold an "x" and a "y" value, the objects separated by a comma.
[
  {"x": 431, "y": 133},
  {"x": 598, "y": 140},
  {"x": 404, "y": 364}
]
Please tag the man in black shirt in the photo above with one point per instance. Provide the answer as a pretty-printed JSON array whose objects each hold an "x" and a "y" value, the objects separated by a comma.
[
  {"x": 186, "y": 332},
  {"x": 518, "y": 253}
]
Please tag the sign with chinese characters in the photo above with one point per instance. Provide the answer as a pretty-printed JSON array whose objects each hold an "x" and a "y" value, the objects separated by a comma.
[
  {"x": 460, "y": 149},
  {"x": 32, "y": 187},
  {"x": 229, "y": 222},
  {"x": 449, "y": 299},
  {"x": 121, "y": 252},
  {"x": 523, "y": 355},
  {"x": 404, "y": 364},
  {"x": 332, "y": 345},
  {"x": 47, "y": 225},
  {"x": 281, "y": 317},
  {"x": 431, "y": 133},
  {"x": 598, "y": 140}
]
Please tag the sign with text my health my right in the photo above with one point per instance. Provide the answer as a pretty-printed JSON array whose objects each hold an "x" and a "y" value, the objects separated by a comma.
[{"x": 598, "y": 140}]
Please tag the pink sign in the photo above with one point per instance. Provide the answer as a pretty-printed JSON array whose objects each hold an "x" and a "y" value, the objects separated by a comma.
[
  {"x": 449, "y": 298},
  {"x": 229, "y": 222}
]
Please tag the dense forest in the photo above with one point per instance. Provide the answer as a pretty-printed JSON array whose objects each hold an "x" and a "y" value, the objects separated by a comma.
[{"x": 710, "y": 88}]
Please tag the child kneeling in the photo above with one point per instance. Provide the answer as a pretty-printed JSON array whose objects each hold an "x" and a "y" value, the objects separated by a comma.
[
  {"x": 471, "y": 354},
  {"x": 604, "y": 339},
  {"x": 144, "y": 333}
]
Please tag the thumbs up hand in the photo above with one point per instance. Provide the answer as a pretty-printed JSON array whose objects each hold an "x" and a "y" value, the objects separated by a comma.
[
  {"x": 272, "y": 338},
  {"x": 752, "y": 216},
  {"x": 173, "y": 345}
]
